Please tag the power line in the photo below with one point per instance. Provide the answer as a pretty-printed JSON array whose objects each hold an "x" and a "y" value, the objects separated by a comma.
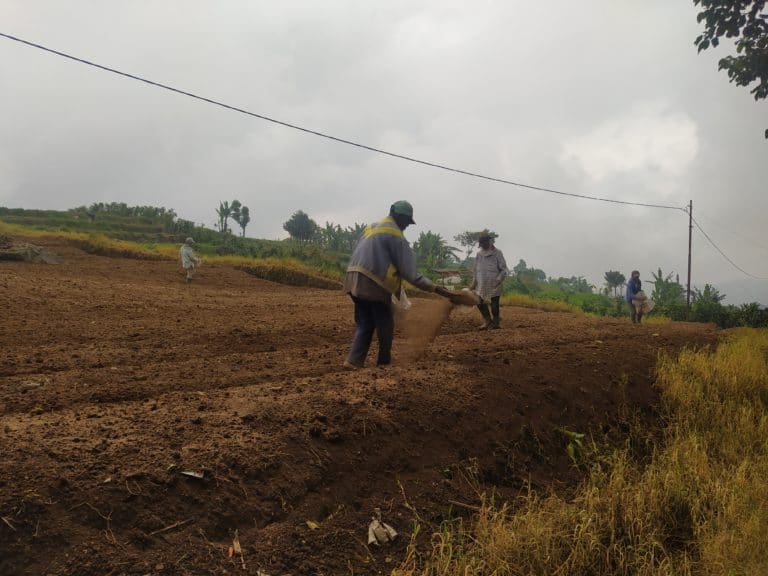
[
  {"x": 741, "y": 237},
  {"x": 723, "y": 254},
  {"x": 335, "y": 138}
]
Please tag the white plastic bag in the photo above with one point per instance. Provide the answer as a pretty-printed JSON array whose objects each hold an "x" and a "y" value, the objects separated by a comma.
[
  {"x": 642, "y": 303},
  {"x": 401, "y": 303}
]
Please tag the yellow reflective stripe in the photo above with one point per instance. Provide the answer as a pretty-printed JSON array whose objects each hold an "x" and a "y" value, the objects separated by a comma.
[
  {"x": 382, "y": 230},
  {"x": 386, "y": 226},
  {"x": 392, "y": 279}
]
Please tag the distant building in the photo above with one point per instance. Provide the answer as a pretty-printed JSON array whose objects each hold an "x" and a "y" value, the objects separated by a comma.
[{"x": 450, "y": 277}]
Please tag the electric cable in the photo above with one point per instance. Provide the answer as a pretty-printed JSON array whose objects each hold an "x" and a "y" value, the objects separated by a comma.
[
  {"x": 746, "y": 239},
  {"x": 336, "y": 138},
  {"x": 723, "y": 254}
]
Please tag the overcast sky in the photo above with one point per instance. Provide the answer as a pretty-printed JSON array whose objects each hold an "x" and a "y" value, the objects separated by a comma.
[{"x": 598, "y": 97}]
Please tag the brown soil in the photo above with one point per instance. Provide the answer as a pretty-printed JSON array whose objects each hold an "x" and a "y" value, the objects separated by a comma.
[{"x": 116, "y": 376}]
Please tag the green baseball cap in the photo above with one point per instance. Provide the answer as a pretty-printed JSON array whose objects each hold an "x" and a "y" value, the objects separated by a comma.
[{"x": 403, "y": 208}]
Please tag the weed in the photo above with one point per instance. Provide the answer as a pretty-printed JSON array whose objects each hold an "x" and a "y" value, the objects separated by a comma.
[{"x": 575, "y": 446}]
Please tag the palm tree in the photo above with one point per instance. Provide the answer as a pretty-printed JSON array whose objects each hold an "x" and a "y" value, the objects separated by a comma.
[
  {"x": 235, "y": 210},
  {"x": 432, "y": 251},
  {"x": 614, "y": 280},
  {"x": 245, "y": 218},
  {"x": 352, "y": 234},
  {"x": 332, "y": 236},
  {"x": 224, "y": 211},
  {"x": 665, "y": 290}
]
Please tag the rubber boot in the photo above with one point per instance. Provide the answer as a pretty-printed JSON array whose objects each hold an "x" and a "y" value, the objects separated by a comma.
[{"x": 487, "y": 321}]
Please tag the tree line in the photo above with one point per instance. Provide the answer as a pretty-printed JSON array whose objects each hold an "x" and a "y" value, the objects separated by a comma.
[
  {"x": 121, "y": 209},
  {"x": 331, "y": 244},
  {"x": 431, "y": 249}
]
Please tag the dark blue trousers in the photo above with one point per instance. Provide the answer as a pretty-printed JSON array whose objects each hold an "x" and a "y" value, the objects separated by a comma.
[
  {"x": 372, "y": 316},
  {"x": 483, "y": 306}
]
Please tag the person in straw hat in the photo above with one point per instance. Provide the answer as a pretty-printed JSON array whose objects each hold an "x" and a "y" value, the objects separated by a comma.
[{"x": 488, "y": 279}]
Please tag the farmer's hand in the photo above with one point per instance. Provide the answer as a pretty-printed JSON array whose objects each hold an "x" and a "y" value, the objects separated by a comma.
[{"x": 443, "y": 292}]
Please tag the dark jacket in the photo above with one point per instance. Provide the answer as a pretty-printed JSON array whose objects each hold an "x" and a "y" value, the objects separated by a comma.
[
  {"x": 633, "y": 287},
  {"x": 381, "y": 259}
]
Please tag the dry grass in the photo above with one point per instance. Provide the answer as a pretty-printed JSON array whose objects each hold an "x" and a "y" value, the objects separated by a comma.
[
  {"x": 700, "y": 507},
  {"x": 655, "y": 320},
  {"x": 287, "y": 271},
  {"x": 287, "y": 264},
  {"x": 17, "y": 230},
  {"x": 525, "y": 301},
  {"x": 289, "y": 275},
  {"x": 95, "y": 243},
  {"x": 105, "y": 246}
]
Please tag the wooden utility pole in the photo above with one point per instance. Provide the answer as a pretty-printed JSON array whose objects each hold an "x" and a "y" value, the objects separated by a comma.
[{"x": 690, "y": 240}]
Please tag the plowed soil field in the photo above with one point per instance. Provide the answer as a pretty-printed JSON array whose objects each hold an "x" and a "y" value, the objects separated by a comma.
[{"x": 146, "y": 424}]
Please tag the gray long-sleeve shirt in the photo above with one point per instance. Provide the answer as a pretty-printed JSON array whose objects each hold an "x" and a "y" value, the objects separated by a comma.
[
  {"x": 380, "y": 260},
  {"x": 489, "y": 273}
]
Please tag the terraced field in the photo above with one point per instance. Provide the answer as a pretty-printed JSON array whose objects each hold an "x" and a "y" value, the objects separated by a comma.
[{"x": 147, "y": 424}]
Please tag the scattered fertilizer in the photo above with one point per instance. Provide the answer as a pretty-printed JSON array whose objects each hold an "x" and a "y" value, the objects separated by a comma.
[{"x": 421, "y": 324}]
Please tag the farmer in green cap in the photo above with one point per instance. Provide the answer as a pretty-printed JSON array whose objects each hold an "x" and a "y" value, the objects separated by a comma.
[{"x": 380, "y": 261}]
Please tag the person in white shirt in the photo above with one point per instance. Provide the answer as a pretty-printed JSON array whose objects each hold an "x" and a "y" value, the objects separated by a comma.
[{"x": 189, "y": 260}]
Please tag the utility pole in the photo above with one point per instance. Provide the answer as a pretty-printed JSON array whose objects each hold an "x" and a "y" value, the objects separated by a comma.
[{"x": 690, "y": 240}]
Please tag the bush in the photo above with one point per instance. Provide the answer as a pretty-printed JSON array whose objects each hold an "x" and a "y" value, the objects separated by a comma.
[{"x": 548, "y": 297}]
